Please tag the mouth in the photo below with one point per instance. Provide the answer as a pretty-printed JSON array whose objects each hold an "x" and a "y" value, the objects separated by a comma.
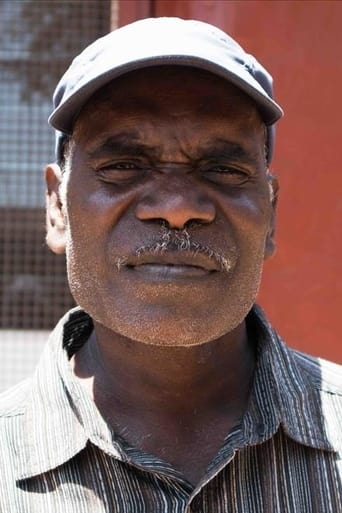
[
  {"x": 171, "y": 271},
  {"x": 174, "y": 265}
]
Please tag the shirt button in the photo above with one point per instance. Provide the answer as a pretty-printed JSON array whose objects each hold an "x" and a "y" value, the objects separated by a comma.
[{"x": 261, "y": 429}]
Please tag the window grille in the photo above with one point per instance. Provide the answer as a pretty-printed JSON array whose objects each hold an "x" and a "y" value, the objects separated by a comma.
[{"x": 38, "y": 39}]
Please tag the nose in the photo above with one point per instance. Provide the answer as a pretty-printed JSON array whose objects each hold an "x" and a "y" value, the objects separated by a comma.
[{"x": 177, "y": 205}]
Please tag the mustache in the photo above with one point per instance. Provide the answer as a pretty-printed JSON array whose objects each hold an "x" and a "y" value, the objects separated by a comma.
[{"x": 180, "y": 241}]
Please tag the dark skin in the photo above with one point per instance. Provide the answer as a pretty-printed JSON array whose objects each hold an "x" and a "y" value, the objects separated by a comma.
[{"x": 166, "y": 216}]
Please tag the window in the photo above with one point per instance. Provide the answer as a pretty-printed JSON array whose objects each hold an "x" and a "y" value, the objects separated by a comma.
[{"x": 38, "y": 39}]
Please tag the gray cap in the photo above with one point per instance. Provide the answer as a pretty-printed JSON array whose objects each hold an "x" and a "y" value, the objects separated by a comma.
[{"x": 155, "y": 42}]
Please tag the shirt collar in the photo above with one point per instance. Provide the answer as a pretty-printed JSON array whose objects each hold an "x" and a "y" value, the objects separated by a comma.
[
  {"x": 60, "y": 418},
  {"x": 289, "y": 391}
]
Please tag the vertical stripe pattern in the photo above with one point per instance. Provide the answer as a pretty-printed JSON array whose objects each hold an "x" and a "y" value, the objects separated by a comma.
[{"x": 57, "y": 454}]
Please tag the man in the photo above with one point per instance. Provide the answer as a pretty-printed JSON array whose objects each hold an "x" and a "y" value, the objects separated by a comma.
[{"x": 167, "y": 390}]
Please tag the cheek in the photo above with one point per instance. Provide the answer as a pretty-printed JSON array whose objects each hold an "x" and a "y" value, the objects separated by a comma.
[
  {"x": 94, "y": 207},
  {"x": 93, "y": 215},
  {"x": 249, "y": 217}
]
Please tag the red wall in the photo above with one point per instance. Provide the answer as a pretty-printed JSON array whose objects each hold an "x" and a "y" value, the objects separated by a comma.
[{"x": 300, "y": 42}]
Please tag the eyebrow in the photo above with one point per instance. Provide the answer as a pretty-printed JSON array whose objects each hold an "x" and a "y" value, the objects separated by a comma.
[
  {"x": 122, "y": 143},
  {"x": 128, "y": 143},
  {"x": 234, "y": 151}
]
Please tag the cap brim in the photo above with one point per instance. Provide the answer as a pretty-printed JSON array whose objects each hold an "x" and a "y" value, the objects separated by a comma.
[{"x": 64, "y": 116}]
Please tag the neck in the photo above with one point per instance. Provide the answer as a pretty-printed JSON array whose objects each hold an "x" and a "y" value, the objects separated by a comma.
[
  {"x": 177, "y": 403},
  {"x": 180, "y": 379}
]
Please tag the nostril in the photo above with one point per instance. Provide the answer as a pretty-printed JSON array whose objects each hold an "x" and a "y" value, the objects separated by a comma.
[
  {"x": 176, "y": 209},
  {"x": 194, "y": 223}
]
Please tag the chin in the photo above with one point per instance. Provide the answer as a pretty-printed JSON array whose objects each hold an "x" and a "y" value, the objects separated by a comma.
[
  {"x": 187, "y": 320},
  {"x": 172, "y": 332}
]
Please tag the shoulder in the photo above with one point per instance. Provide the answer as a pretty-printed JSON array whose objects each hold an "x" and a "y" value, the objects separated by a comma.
[
  {"x": 319, "y": 373},
  {"x": 304, "y": 371},
  {"x": 322, "y": 397},
  {"x": 13, "y": 401},
  {"x": 13, "y": 426}
]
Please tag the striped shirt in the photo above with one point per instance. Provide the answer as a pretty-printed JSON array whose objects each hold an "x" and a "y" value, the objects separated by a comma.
[{"x": 58, "y": 455}]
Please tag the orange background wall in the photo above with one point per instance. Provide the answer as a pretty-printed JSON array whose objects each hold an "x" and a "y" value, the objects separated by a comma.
[{"x": 300, "y": 42}]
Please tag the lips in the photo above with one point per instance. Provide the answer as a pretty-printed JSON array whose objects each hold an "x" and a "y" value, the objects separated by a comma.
[
  {"x": 173, "y": 265},
  {"x": 171, "y": 271}
]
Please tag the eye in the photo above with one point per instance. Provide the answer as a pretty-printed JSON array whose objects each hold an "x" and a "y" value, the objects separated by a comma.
[
  {"x": 121, "y": 166},
  {"x": 224, "y": 173},
  {"x": 118, "y": 166},
  {"x": 120, "y": 171},
  {"x": 225, "y": 169}
]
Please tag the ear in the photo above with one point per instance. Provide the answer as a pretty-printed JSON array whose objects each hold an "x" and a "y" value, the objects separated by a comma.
[
  {"x": 55, "y": 210},
  {"x": 273, "y": 184}
]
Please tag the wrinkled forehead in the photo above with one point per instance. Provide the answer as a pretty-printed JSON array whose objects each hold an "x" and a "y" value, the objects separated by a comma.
[
  {"x": 177, "y": 82},
  {"x": 180, "y": 89},
  {"x": 172, "y": 89}
]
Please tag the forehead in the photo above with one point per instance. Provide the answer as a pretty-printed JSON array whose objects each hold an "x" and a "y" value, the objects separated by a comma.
[
  {"x": 180, "y": 95},
  {"x": 179, "y": 83}
]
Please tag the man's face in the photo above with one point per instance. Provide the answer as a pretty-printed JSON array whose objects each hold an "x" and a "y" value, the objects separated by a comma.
[{"x": 167, "y": 206}]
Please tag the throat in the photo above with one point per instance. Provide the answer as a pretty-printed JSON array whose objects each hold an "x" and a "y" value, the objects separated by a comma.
[
  {"x": 178, "y": 404},
  {"x": 175, "y": 379},
  {"x": 187, "y": 442}
]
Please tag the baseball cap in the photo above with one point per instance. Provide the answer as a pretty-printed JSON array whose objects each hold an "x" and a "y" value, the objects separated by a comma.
[{"x": 154, "y": 42}]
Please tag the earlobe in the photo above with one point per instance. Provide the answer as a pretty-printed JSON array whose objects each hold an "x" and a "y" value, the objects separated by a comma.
[
  {"x": 55, "y": 211},
  {"x": 270, "y": 245}
]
